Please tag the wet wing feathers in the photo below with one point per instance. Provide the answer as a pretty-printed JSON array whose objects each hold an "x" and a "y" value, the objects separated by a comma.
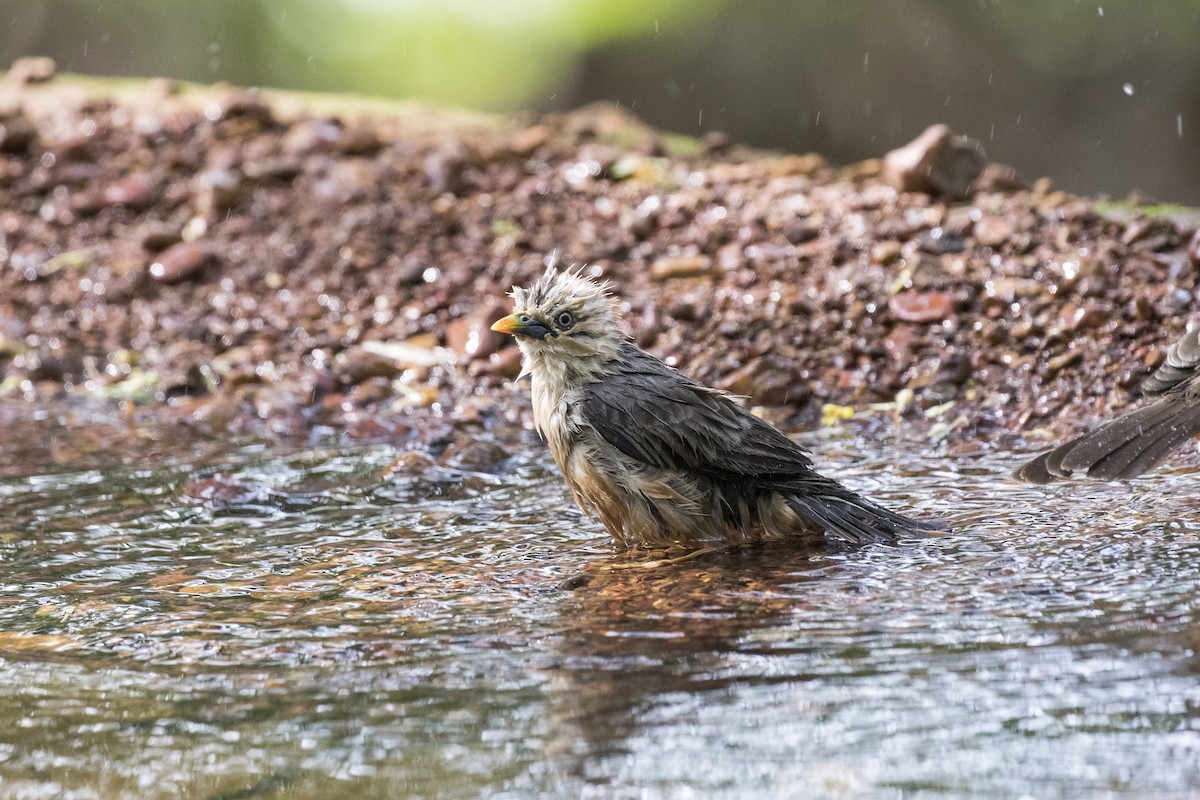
[
  {"x": 1135, "y": 442},
  {"x": 652, "y": 413},
  {"x": 1179, "y": 367}
]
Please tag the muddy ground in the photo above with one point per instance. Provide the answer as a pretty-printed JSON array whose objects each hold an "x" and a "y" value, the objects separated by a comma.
[{"x": 266, "y": 262}]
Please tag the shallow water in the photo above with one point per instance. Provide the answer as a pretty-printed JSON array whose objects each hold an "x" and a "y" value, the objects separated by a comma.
[{"x": 315, "y": 624}]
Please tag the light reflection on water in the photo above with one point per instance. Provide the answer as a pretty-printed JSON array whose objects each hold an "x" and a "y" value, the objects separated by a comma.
[{"x": 345, "y": 631}]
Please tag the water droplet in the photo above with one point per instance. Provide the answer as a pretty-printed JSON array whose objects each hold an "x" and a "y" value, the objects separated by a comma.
[{"x": 1128, "y": 89}]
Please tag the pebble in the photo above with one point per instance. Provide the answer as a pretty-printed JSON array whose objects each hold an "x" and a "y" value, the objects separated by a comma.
[
  {"x": 135, "y": 191},
  {"x": 181, "y": 261},
  {"x": 912, "y": 306},
  {"x": 221, "y": 491},
  {"x": 681, "y": 267},
  {"x": 937, "y": 162},
  {"x": 17, "y": 133},
  {"x": 993, "y": 232}
]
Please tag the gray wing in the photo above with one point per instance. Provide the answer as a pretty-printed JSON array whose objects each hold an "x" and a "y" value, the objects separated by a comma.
[
  {"x": 1142, "y": 439},
  {"x": 1182, "y": 364},
  {"x": 652, "y": 413}
]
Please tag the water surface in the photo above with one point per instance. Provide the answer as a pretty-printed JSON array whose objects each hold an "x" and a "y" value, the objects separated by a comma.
[{"x": 216, "y": 617}]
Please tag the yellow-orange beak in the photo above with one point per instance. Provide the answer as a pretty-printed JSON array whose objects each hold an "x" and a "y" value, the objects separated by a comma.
[
  {"x": 521, "y": 325},
  {"x": 507, "y": 324}
]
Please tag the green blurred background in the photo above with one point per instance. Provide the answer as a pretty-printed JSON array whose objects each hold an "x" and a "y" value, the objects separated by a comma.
[{"x": 1102, "y": 97}]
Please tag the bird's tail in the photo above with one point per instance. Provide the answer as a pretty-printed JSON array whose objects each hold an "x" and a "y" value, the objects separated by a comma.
[
  {"x": 1123, "y": 448},
  {"x": 850, "y": 518}
]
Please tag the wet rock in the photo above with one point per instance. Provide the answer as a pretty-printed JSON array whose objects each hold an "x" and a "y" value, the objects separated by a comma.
[
  {"x": 994, "y": 232},
  {"x": 17, "y": 134},
  {"x": 223, "y": 491},
  {"x": 730, "y": 257},
  {"x": 474, "y": 454},
  {"x": 506, "y": 363},
  {"x": 1193, "y": 249},
  {"x": 910, "y": 306},
  {"x": 445, "y": 169},
  {"x": 937, "y": 162},
  {"x": 885, "y": 252},
  {"x": 378, "y": 429},
  {"x": 369, "y": 392},
  {"x": 357, "y": 363},
  {"x": 769, "y": 380},
  {"x": 471, "y": 337},
  {"x": 181, "y": 261},
  {"x": 939, "y": 241},
  {"x": 999, "y": 178},
  {"x": 359, "y": 140},
  {"x": 158, "y": 236},
  {"x": 525, "y": 141},
  {"x": 1056, "y": 363},
  {"x": 135, "y": 192},
  {"x": 1083, "y": 317},
  {"x": 74, "y": 148},
  {"x": 217, "y": 191},
  {"x": 668, "y": 268}
]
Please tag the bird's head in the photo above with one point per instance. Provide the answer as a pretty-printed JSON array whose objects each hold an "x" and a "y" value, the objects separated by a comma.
[{"x": 566, "y": 320}]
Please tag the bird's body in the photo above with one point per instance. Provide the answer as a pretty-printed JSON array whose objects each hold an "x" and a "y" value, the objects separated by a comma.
[
  {"x": 658, "y": 458},
  {"x": 1131, "y": 444}
]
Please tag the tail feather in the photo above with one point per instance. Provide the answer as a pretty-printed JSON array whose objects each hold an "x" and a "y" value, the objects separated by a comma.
[
  {"x": 1122, "y": 448},
  {"x": 855, "y": 520}
]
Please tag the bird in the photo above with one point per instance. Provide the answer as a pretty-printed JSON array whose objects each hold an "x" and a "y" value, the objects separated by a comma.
[
  {"x": 1131, "y": 444},
  {"x": 659, "y": 458}
]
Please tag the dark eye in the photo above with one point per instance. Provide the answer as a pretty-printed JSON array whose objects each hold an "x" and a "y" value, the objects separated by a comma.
[{"x": 565, "y": 320}]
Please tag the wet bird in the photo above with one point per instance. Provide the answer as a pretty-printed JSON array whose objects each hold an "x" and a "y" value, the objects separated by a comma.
[
  {"x": 658, "y": 458},
  {"x": 1131, "y": 444}
]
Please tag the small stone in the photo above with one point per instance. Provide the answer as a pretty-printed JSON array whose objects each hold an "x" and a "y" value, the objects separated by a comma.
[
  {"x": 221, "y": 491},
  {"x": 135, "y": 192},
  {"x": 158, "y": 236},
  {"x": 1193, "y": 249},
  {"x": 356, "y": 364},
  {"x": 999, "y": 178},
  {"x": 1079, "y": 318},
  {"x": 377, "y": 429},
  {"x": 885, "y": 252},
  {"x": 474, "y": 454},
  {"x": 527, "y": 140},
  {"x": 993, "y": 232},
  {"x": 937, "y": 162},
  {"x": 17, "y": 133},
  {"x": 359, "y": 141},
  {"x": 181, "y": 261},
  {"x": 505, "y": 363},
  {"x": 472, "y": 338},
  {"x": 921, "y": 306},
  {"x": 217, "y": 191},
  {"x": 681, "y": 267},
  {"x": 1055, "y": 363}
]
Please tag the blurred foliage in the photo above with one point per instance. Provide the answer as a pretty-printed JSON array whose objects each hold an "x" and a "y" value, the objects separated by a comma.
[
  {"x": 478, "y": 53},
  {"x": 1101, "y": 96}
]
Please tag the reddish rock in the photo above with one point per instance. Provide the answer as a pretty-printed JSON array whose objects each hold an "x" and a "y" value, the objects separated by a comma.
[
  {"x": 135, "y": 191},
  {"x": 181, "y": 261},
  {"x": 921, "y": 306},
  {"x": 937, "y": 162},
  {"x": 681, "y": 267}
]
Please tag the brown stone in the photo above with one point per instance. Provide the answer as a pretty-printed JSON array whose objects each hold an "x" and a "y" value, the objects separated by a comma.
[{"x": 937, "y": 162}]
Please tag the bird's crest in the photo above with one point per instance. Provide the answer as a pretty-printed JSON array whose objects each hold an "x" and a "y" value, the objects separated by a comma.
[{"x": 560, "y": 285}]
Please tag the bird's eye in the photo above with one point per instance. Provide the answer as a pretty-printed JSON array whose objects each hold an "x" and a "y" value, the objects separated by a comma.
[{"x": 565, "y": 320}]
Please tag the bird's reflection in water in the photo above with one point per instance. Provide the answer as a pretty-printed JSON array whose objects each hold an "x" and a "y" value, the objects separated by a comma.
[{"x": 635, "y": 634}]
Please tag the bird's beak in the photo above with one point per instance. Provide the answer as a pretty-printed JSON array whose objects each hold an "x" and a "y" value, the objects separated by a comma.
[{"x": 521, "y": 325}]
